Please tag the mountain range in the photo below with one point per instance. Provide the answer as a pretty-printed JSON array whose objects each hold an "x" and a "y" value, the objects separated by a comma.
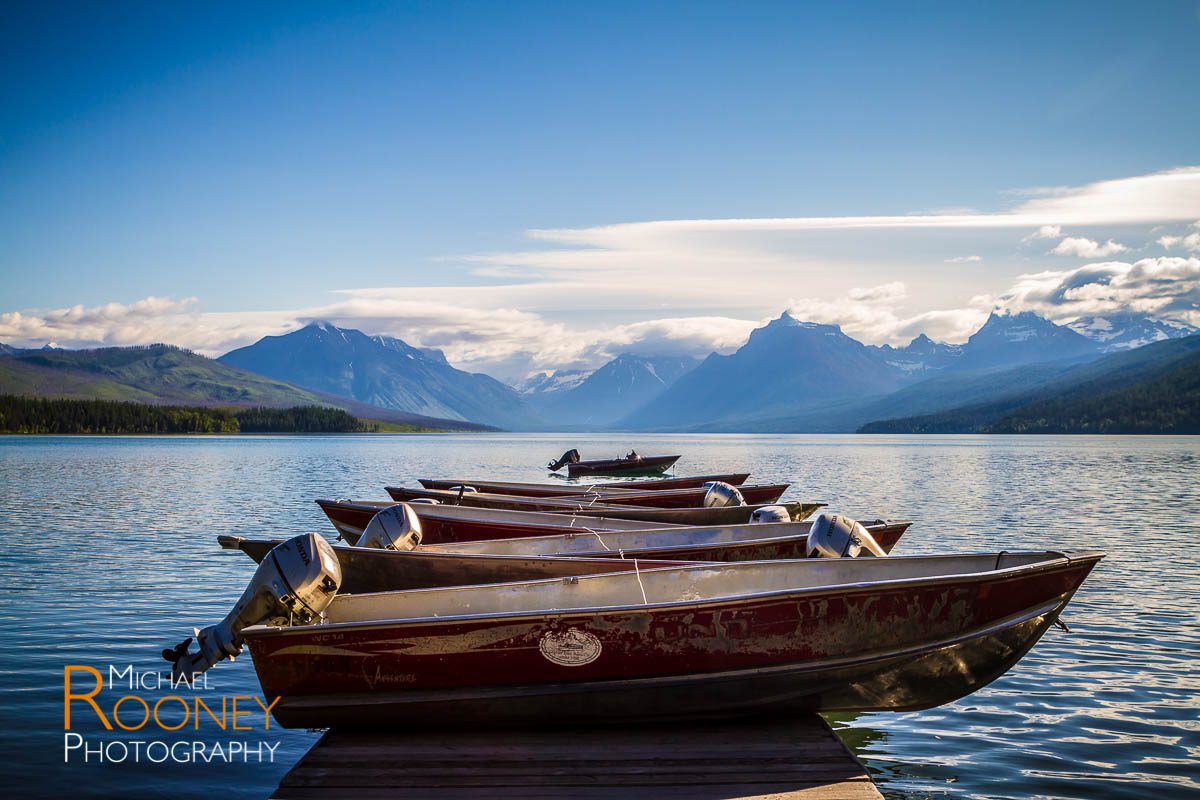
[
  {"x": 803, "y": 376},
  {"x": 166, "y": 375},
  {"x": 1151, "y": 389},
  {"x": 602, "y": 397},
  {"x": 383, "y": 371},
  {"x": 790, "y": 375},
  {"x": 1128, "y": 331}
]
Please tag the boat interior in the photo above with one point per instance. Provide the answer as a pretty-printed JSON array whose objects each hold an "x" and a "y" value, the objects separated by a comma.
[
  {"x": 589, "y": 541},
  {"x": 669, "y": 585},
  {"x": 500, "y": 515}
]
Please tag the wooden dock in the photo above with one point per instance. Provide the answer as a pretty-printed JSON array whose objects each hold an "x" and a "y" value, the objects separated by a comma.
[{"x": 796, "y": 759}]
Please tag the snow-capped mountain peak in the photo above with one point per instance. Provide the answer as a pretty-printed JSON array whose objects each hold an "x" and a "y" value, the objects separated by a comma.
[{"x": 1128, "y": 330}]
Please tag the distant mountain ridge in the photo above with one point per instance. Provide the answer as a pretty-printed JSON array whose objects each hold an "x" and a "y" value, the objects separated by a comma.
[
  {"x": 166, "y": 375},
  {"x": 545, "y": 384},
  {"x": 605, "y": 395},
  {"x": 1024, "y": 338},
  {"x": 920, "y": 356},
  {"x": 794, "y": 376},
  {"x": 785, "y": 365},
  {"x": 1152, "y": 389},
  {"x": 383, "y": 371},
  {"x": 789, "y": 376},
  {"x": 1127, "y": 330}
]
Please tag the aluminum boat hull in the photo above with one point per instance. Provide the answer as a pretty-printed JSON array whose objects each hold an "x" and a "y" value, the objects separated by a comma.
[{"x": 875, "y": 645}]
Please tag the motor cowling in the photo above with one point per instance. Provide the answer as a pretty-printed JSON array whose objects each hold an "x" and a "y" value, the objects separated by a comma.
[
  {"x": 838, "y": 536},
  {"x": 721, "y": 494},
  {"x": 770, "y": 514},
  {"x": 393, "y": 528},
  {"x": 426, "y": 501},
  {"x": 295, "y": 583},
  {"x": 570, "y": 457}
]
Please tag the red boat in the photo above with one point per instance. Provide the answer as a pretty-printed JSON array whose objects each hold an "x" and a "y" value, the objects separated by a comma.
[
  {"x": 446, "y": 523},
  {"x": 655, "y": 498},
  {"x": 559, "y": 490},
  {"x": 753, "y": 638}
]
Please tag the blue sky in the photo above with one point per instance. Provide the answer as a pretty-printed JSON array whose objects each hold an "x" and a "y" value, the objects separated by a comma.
[{"x": 211, "y": 173}]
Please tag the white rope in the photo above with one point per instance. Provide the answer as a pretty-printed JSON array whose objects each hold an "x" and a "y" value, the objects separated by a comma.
[
  {"x": 641, "y": 586},
  {"x": 599, "y": 538}
]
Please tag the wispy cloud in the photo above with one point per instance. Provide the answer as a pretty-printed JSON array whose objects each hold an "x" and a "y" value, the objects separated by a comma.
[{"x": 964, "y": 260}]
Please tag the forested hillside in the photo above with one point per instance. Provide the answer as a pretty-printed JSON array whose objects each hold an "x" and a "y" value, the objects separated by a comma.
[{"x": 43, "y": 415}]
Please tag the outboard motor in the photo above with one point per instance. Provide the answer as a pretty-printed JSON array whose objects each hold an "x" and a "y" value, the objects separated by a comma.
[
  {"x": 721, "y": 494},
  {"x": 296, "y": 582},
  {"x": 837, "y": 536},
  {"x": 570, "y": 457},
  {"x": 393, "y": 528},
  {"x": 426, "y": 501},
  {"x": 770, "y": 514}
]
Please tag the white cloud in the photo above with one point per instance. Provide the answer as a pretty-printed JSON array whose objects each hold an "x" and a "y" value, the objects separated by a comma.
[
  {"x": 1044, "y": 232},
  {"x": 873, "y": 315},
  {"x": 1087, "y": 248},
  {"x": 1188, "y": 241},
  {"x": 964, "y": 260},
  {"x": 1166, "y": 286},
  {"x": 889, "y": 293}
]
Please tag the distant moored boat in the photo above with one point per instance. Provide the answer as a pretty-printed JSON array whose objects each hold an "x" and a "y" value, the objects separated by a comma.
[{"x": 632, "y": 464}]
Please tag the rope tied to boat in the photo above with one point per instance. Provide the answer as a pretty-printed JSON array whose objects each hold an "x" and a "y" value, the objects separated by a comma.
[{"x": 637, "y": 572}]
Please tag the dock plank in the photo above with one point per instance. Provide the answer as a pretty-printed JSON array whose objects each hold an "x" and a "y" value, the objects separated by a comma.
[{"x": 800, "y": 759}]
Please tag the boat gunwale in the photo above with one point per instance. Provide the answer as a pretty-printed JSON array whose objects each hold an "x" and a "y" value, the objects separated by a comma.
[
  {"x": 1063, "y": 559},
  {"x": 566, "y": 505},
  {"x": 591, "y": 491},
  {"x": 565, "y": 521},
  {"x": 431, "y": 553},
  {"x": 737, "y": 479},
  {"x": 732, "y": 543}
]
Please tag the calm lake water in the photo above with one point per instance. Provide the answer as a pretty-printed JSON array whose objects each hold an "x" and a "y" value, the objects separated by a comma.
[{"x": 110, "y": 555}]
